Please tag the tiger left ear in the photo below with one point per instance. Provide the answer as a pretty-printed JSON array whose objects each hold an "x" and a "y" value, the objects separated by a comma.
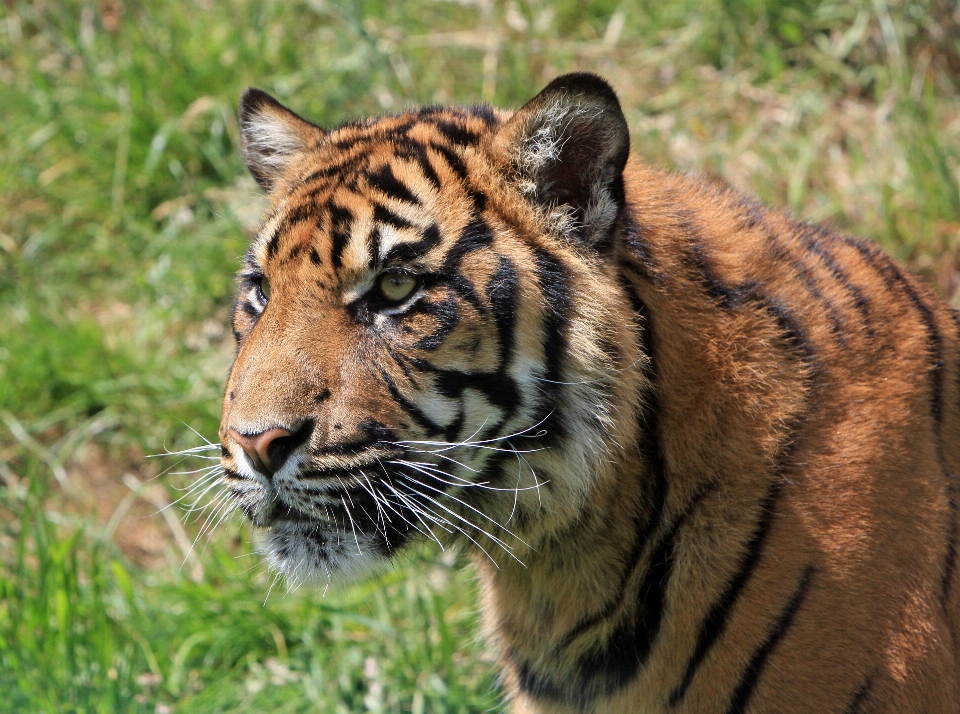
[
  {"x": 567, "y": 148},
  {"x": 271, "y": 136}
]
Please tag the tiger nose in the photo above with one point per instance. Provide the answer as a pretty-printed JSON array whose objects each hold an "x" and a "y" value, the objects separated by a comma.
[{"x": 265, "y": 449}]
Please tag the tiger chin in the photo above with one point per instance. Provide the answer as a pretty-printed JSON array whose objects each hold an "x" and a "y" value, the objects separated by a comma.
[{"x": 705, "y": 455}]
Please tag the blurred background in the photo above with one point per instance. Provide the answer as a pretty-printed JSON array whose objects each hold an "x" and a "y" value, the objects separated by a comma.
[{"x": 125, "y": 208}]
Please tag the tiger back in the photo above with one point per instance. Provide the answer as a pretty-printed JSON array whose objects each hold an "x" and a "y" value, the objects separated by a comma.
[{"x": 705, "y": 455}]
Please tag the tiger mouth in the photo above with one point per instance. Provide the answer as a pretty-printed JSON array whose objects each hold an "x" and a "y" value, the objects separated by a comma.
[
  {"x": 374, "y": 507},
  {"x": 364, "y": 498}
]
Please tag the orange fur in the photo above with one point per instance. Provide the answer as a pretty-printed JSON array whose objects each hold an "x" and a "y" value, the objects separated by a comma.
[{"x": 706, "y": 455}]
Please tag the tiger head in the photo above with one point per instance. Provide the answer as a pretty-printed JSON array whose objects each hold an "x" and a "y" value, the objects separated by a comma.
[{"x": 430, "y": 329}]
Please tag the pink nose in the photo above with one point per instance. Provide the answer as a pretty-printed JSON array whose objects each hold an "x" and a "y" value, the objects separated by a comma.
[{"x": 257, "y": 447}]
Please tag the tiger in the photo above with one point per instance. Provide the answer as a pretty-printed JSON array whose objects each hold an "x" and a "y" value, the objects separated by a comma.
[{"x": 703, "y": 455}]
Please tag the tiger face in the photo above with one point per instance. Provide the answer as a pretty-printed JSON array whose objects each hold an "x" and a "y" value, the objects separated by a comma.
[{"x": 427, "y": 346}]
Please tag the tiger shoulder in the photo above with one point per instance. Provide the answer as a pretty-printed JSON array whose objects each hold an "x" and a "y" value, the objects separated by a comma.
[{"x": 705, "y": 455}]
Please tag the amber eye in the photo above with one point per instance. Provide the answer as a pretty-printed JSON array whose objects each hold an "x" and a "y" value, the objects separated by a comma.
[{"x": 396, "y": 286}]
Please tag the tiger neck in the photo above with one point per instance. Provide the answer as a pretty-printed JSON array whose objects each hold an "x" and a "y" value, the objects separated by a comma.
[
  {"x": 594, "y": 518},
  {"x": 550, "y": 605}
]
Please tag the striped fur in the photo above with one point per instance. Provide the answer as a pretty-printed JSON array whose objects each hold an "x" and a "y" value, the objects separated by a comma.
[{"x": 706, "y": 455}]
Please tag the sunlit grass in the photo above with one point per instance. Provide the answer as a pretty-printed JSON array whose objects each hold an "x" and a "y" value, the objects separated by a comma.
[
  {"x": 125, "y": 208},
  {"x": 82, "y": 631}
]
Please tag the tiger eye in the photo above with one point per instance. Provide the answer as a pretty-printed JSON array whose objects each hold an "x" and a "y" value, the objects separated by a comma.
[
  {"x": 264, "y": 288},
  {"x": 397, "y": 286}
]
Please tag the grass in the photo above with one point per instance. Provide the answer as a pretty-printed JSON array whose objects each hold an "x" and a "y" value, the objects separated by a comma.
[
  {"x": 124, "y": 209},
  {"x": 83, "y": 631}
]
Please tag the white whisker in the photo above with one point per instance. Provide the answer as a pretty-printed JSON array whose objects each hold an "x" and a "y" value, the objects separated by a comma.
[
  {"x": 467, "y": 442},
  {"x": 416, "y": 512},
  {"x": 209, "y": 481},
  {"x": 467, "y": 535},
  {"x": 468, "y": 506},
  {"x": 352, "y": 526},
  {"x": 506, "y": 548},
  {"x": 429, "y": 470}
]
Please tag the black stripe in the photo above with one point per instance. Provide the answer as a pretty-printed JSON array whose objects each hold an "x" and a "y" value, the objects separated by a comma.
[
  {"x": 646, "y": 523},
  {"x": 484, "y": 112},
  {"x": 373, "y": 242},
  {"x": 399, "y": 131},
  {"x": 750, "y": 677},
  {"x": 478, "y": 198},
  {"x": 554, "y": 284},
  {"x": 728, "y": 297},
  {"x": 300, "y": 213},
  {"x": 497, "y": 387},
  {"x": 382, "y": 214},
  {"x": 407, "y": 252},
  {"x": 422, "y": 420},
  {"x": 541, "y": 687},
  {"x": 953, "y": 533},
  {"x": 273, "y": 242},
  {"x": 457, "y": 133},
  {"x": 860, "y": 696},
  {"x": 638, "y": 260},
  {"x": 790, "y": 328},
  {"x": 350, "y": 163},
  {"x": 451, "y": 432},
  {"x": 340, "y": 223},
  {"x": 614, "y": 663},
  {"x": 453, "y": 160},
  {"x": 401, "y": 362},
  {"x": 447, "y": 315},
  {"x": 464, "y": 287},
  {"x": 950, "y": 558},
  {"x": 897, "y": 282},
  {"x": 385, "y": 180},
  {"x": 731, "y": 298},
  {"x": 294, "y": 252},
  {"x": 502, "y": 292},
  {"x": 475, "y": 236},
  {"x": 715, "y": 622},
  {"x": 810, "y": 282},
  {"x": 432, "y": 110},
  {"x": 751, "y": 212},
  {"x": 813, "y": 239},
  {"x": 418, "y": 154},
  {"x": 315, "y": 257},
  {"x": 642, "y": 533}
]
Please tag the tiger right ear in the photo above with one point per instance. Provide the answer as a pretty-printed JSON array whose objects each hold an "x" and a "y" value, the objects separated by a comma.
[
  {"x": 271, "y": 135},
  {"x": 566, "y": 149}
]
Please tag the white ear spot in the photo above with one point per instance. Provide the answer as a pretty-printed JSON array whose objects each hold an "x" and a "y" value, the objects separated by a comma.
[{"x": 271, "y": 142}]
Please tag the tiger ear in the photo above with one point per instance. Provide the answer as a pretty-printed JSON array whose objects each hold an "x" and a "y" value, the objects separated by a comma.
[
  {"x": 567, "y": 148},
  {"x": 271, "y": 135}
]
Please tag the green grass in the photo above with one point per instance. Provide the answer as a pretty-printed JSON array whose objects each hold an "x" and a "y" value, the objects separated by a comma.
[
  {"x": 124, "y": 210},
  {"x": 82, "y": 631}
]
